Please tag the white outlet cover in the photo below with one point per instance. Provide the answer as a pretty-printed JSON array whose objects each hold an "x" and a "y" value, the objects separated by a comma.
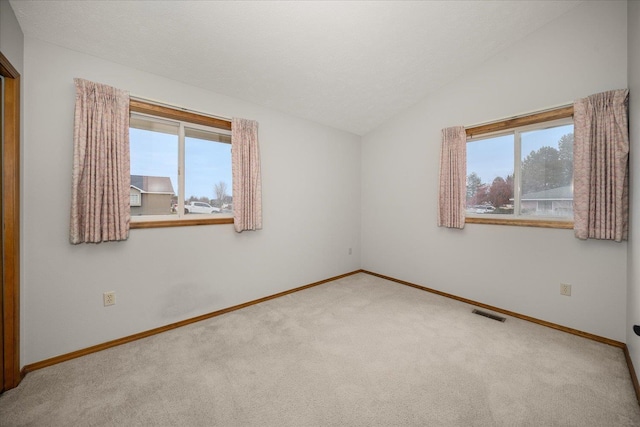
[{"x": 109, "y": 298}]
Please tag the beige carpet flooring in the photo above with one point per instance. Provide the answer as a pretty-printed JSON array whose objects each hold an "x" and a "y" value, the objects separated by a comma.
[{"x": 359, "y": 351}]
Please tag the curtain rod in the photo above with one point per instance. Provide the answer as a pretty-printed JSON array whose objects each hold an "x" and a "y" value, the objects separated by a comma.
[
  {"x": 177, "y": 107},
  {"x": 556, "y": 107}
]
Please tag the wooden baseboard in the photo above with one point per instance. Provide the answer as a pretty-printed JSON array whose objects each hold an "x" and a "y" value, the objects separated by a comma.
[
  {"x": 130, "y": 338},
  {"x": 507, "y": 312},
  {"x": 93, "y": 349},
  {"x": 632, "y": 372},
  {"x": 623, "y": 346}
]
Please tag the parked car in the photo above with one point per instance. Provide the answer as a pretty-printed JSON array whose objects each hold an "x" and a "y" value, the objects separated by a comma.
[
  {"x": 480, "y": 209},
  {"x": 200, "y": 207}
]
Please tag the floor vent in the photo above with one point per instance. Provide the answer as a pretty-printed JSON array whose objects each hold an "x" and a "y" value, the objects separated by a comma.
[{"x": 489, "y": 315}]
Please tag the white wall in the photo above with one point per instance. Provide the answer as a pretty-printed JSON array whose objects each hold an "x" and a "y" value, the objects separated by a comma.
[
  {"x": 11, "y": 38},
  {"x": 311, "y": 203},
  {"x": 633, "y": 260},
  {"x": 514, "y": 268},
  {"x": 313, "y": 178}
]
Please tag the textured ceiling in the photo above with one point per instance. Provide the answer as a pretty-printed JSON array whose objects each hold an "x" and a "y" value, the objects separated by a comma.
[{"x": 349, "y": 65}]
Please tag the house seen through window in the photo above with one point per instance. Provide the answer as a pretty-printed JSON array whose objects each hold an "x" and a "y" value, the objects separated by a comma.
[
  {"x": 522, "y": 173},
  {"x": 179, "y": 170}
]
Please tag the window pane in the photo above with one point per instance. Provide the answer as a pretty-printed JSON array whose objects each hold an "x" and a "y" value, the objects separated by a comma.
[
  {"x": 154, "y": 167},
  {"x": 547, "y": 172},
  {"x": 134, "y": 197},
  {"x": 208, "y": 171},
  {"x": 490, "y": 176}
]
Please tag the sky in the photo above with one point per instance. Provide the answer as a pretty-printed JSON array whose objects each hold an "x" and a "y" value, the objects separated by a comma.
[
  {"x": 206, "y": 162},
  {"x": 493, "y": 157}
]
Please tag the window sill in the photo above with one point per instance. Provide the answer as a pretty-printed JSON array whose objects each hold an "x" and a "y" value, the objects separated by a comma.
[
  {"x": 179, "y": 222},
  {"x": 522, "y": 222}
]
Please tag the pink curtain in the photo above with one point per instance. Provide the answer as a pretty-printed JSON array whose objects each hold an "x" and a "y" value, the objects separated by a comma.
[
  {"x": 601, "y": 166},
  {"x": 453, "y": 178},
  {"x": 100, "y": 182},
  {"x": 247, "y": 185}
]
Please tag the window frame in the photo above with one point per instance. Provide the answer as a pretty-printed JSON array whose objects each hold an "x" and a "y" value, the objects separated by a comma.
[
  {"x": 507, "y": 126},
  {"x": 173, "y": 113},
  {"x": 138, "y": 199}
]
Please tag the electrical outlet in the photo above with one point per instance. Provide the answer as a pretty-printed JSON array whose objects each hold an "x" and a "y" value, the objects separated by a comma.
[
  {"x": 565, "y": 289},
  {"x": 109, "y": 298},
  {"x": 349, "y": 251}
]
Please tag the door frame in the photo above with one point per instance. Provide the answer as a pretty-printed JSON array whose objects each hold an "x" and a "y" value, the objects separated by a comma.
[{"x": 10, "y": 217}]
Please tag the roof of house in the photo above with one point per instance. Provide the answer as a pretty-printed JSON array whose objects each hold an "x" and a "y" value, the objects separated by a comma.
[
  {"x": 560, "y": 193},
  {"x": 152, "y": 184}
]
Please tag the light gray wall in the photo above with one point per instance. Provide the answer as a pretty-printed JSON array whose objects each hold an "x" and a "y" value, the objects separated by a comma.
[
  {"x": 11, "y": 38},
  {"x": 515, "y": 268},
  {"x": 313, "y": 178},
  {"x": 633, "y": 297},
  {"x": 311, "y": 203}
]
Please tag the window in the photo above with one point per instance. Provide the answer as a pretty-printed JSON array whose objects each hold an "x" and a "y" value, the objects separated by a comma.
[
  {"x": 134, "y": 197},
  {"x": 521, "y": 171},
  {"x": 180, "y": 167}
]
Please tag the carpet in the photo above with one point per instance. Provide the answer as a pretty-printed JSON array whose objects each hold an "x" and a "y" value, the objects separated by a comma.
[{"x": 358, "y": 351}]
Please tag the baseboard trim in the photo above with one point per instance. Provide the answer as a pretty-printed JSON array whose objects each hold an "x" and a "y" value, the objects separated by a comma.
[
  {"x": 614, "y": 343},
  {"x": 632, "y": 372},
  {"x": 507, "y": 312},
  {"x": 109, "y": 344},
  {"x": 114, "y": 343}
]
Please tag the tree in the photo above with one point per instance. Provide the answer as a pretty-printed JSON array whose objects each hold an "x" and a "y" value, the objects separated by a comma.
[
  {"x": 541, "y": 170},
  {"x": 221, "y": 192},
  {"x": 548, "y": 167},
  {"x": 501, "y": 191},
  {"x": 473, "y": 183},
  {"x": 481, "y": 197},
  {"x": 197, "y": 199},
  {"x": 565, "y": 155}
]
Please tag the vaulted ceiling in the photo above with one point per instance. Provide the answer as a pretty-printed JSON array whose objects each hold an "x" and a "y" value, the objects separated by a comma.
[{"x": 345, "y": 64}]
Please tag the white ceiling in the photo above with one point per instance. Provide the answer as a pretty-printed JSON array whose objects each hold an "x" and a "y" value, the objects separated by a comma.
[{"x": 345, "y": 64}]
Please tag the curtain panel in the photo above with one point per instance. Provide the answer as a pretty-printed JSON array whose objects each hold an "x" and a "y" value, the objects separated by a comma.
[
  {"x": 453, "y": 178},
  {"x": 601, "y": 166},
  {"x": 100, "y": 179},
  {"x": 245, "y": 169}
]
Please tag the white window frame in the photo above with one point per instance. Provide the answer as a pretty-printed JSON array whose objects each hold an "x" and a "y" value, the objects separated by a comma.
[{"x": 138, "y": 197}]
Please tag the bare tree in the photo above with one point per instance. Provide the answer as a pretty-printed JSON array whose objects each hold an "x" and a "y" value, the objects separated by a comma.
[{"x": 221, "y": 192}]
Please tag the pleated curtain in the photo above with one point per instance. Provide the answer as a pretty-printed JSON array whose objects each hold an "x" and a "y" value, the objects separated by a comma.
[
  {"x": 453, "y": 181},
  {"x": 601, "y": 166},
  {"x": 100, "y": 209},
  {"x": 247, "y": 184}
]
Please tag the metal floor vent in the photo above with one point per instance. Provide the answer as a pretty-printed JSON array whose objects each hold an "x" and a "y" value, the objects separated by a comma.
[{"x": 489, "y": 315}]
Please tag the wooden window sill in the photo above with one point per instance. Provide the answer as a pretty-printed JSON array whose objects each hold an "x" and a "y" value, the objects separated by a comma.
[
  {"x": 568, "y": 225},
  {"x": 179, "y": 222}
]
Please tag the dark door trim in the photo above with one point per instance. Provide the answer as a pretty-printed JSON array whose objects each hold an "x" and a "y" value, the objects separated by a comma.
[{"x": 10, "y": 216}]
